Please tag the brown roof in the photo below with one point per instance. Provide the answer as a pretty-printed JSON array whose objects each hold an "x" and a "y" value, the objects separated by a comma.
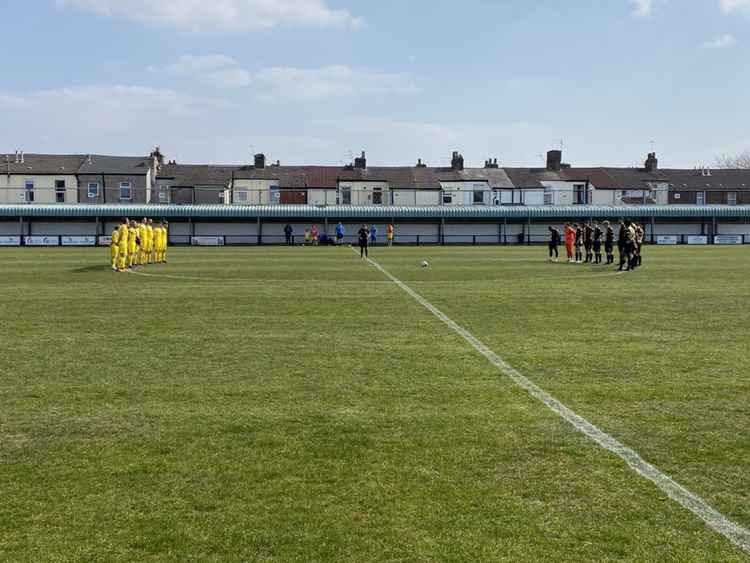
[
  {"x": 328, "y": 177},
  {"x": 42, "y": 164},
  {"x": 188, "y": 175}
]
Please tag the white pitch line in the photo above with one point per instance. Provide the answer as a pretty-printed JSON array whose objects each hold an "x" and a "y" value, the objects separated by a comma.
[{"x": 735, "y": 533}]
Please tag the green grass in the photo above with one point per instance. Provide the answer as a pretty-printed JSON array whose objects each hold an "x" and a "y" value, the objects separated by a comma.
[{"x": 290, "y": 405}]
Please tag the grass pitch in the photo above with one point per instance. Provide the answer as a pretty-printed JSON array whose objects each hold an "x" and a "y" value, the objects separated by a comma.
[{"x": 291, "y": 405}]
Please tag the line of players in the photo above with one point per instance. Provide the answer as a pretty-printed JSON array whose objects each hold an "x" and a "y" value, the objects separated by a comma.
[
  {"x": 589, "y": 237},
  {"x": 137, "y": 244}
]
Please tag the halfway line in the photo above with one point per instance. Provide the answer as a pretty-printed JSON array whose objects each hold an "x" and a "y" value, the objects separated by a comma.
[{"x": 735, "y": 533}]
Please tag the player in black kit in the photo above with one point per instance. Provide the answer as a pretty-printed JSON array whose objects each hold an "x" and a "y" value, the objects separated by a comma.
[
  {"x": 554, "y": 242},
  {"x": 362, "y": 238},
  {"x": 609, "y": 243},
  {"x": 588, "y": 242},
  {"x": 597, "y": 243}
]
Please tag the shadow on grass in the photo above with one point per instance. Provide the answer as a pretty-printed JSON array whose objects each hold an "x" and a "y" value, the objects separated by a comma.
[{"x": 89, "y": 269}]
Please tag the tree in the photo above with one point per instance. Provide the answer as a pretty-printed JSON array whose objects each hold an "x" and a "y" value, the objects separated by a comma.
[{"x": 741, "y": 160}]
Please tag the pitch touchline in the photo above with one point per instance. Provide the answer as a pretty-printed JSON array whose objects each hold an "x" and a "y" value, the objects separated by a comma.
[{"x": 735, "y": 533}]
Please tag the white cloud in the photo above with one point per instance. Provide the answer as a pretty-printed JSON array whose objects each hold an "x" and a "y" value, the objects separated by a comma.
[
  {"x": 203, "y": 63},
  {"x": 273, "y": 83},
  {"x": 334, "y": 81},
  {"x": 100, "y": 118},
  {"x": 221, "y": 15},
  {"x": 734, "y": 5},
  {"x": 721, "y": 42},
  {"x": 642, "y": 8}
]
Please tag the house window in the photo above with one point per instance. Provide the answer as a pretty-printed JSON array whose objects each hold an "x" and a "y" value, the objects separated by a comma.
[
  {"x": 29, "y": 191},
  {"x": 93, "y": 190},
  {"x": 126, "y": 191},
  {"x": 222, "y": 196},
  {"x": 377, "y": 196},
  {"x": 677, "y": 196},
  {"x": 241, "y": 196},
  {"x": 731, "y": 198},
  {"x": 346, "y": 196},
  {"x": 164, "y": 194},
  {"x": 478, "y": 197},
  {"x": 548, "y": 199},
  {"x": 579, "y": 194},
  {"x": 700, "y": 198},
  {"x": 59, "y": 191},
  {"x": 447, "y": 198}
]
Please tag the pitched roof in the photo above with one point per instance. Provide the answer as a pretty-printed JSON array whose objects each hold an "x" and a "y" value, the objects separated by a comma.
[
  {"x": 328, "y": 177},
  {"x": 531, "y": 177},
  {"x": 495, "y": 177},
  {"x": 104, "y": 164},
  {"x": 602, "y": 178},
  {"x": 188, "y": 175},
  {"x": 42, "y": 164},
  {"x": 720, "y": 179}
]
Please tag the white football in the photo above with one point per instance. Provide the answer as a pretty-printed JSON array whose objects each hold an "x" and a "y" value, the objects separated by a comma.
[{"x": 425, "y": 264}]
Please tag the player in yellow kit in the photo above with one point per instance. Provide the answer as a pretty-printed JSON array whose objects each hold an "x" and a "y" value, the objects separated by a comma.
[
  {"x": 150, "y": 245},
  {"x": 132, "y": 244},
  {"x": 114, "y": 247},
  {"x": 143, "y": 237},
  {"x": 164, "y": 242},
  {"x": 122, "y": 251}
]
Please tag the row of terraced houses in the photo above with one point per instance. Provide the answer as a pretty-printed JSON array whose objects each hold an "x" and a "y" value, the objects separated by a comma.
[{"x": 97, "y": 179}]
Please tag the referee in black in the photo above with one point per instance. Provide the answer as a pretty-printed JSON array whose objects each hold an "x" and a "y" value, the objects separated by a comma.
[
  {"x": 554, "y": 242},
  {"x": 363, "y": 236}
]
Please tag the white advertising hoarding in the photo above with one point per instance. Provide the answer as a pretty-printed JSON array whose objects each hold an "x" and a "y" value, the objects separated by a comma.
[
  {"x": 695, "y": 239},
  {"x": 667, "y": 239},
  {"x": 207, "y": 241},
  {"x": 728, "y": 239},
  {"x": 41, "y": 241},
  {"x": 78, "y": 241},
  {"x": 105, "y": 241},
  {"x": 10, "y": 241}
]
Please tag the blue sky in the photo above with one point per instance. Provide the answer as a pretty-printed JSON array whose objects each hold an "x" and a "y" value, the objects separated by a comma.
[{"x": 313, "y": 81}]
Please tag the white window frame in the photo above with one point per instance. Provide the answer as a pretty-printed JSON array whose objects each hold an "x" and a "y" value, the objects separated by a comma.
[
  {"x": 346, "y": 196},
  {"x": 60, "y": 191},
  {"x": 474, "y": 197},
  {"x": 700, "y": 198},
  {"x": 94, "y": 194},
  {"x": 241, "y": 196},
  {"x": 28, "y": 190},
  {"x": 377, "y": 192},
  {"x": 731, "y": 198},
  {"x": 447, "y": 198},
  {"x": 129, "y": 187},
  {"x": 549, "y": 197},
  {"x": 579, "y": 192}
]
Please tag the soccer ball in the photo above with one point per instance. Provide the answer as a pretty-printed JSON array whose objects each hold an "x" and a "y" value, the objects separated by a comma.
[{"x": 425, "y": 264}]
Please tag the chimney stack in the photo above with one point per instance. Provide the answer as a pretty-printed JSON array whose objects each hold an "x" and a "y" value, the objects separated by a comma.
[
  {"x": 490, "y": 163},
  {"x": 554, "y": 160},
  {"x": 18, "y": 158},
  {"x": 652, "y": 163},
  {"x": 21, "y": 157},
  {"x": 421, "y": 164},
  {"x": 457, "y": 161},
  {"x": 361, "y": 162},
  {"x": 260, "y": 161}
]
